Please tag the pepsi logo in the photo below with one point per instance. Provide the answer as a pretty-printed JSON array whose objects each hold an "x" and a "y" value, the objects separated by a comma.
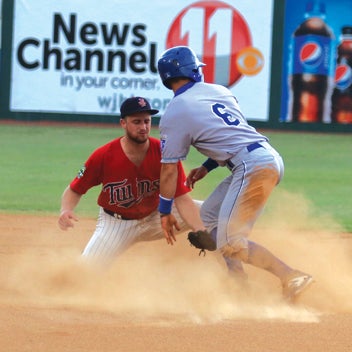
[
  {"x": 311, "y": 54},
  {"x": 221, "y": 38},
  {"x": 343, "y": 76}
]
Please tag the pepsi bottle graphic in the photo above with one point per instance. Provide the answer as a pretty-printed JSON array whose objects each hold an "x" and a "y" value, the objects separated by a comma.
[
  {"x": 311, "y": 72},
  {"x": 341, "y": 100}
]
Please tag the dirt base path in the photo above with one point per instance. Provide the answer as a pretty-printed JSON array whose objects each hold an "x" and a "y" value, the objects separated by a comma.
[{"x": 166, "y": 298}]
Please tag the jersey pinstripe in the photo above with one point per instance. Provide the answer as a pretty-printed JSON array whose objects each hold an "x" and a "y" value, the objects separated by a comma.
[{"x": 114, "y": 236}]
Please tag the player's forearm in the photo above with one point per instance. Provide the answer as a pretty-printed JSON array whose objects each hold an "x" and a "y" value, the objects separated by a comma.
[
  {"x": 168, "y": 180},
  {"x": 69, "y": 199},
  {"x": 189, "y": 212}
]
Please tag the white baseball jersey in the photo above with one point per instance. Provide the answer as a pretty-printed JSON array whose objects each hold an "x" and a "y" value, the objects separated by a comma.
[{"x": 207, "y": 117}]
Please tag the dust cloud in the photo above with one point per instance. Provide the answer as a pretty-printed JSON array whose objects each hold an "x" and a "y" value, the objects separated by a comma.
[{"x": 172, "y": 284}]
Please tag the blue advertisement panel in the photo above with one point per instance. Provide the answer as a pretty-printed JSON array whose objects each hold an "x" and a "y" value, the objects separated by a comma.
[{"x": 317, "y": 62}]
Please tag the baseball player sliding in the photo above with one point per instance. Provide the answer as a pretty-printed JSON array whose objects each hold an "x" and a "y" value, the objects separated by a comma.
[{"x": 208, "y": 117}]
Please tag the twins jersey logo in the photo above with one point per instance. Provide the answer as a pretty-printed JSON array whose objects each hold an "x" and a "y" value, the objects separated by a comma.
[
  {"x": 121, "y": 193},
  {"x": 221, "y": 38}
]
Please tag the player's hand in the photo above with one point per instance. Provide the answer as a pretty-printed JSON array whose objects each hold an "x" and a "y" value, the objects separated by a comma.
[
  {"x": 195, "y": 175},
  {"x": 168, "y": 223},
  {"x": 66, "y": 219}
]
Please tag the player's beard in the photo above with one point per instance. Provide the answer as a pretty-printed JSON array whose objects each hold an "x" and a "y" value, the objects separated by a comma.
[{"x": 138, "y": 138}]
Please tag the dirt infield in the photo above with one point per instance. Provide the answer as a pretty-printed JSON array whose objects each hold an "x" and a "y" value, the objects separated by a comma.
[{"x": 166, "y": 298}]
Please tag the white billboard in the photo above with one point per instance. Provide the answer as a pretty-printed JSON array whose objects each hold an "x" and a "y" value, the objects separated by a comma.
[{"x": 86, "y": 57}]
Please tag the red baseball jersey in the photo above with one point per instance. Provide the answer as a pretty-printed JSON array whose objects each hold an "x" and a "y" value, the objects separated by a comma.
[{"x": 129, "y": 190}]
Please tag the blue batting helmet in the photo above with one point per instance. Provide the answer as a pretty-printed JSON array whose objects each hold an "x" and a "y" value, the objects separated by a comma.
[{"x": 179, "y": 61}]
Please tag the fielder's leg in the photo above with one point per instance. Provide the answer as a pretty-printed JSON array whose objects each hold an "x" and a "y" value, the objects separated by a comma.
[{"x": 111, "y": 237}]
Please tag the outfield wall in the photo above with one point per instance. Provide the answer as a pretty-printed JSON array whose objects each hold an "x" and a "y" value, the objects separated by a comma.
[{"x": 77, "y": 61}]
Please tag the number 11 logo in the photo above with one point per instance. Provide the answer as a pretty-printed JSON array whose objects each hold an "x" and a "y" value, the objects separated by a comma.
[{"x": 221, "y": 38}]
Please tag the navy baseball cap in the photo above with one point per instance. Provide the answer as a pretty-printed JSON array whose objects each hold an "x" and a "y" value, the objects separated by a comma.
[{"x": 136, "y": 104}]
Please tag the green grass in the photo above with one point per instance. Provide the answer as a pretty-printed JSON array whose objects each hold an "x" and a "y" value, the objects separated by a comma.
[
  {"x": 319, "y": 166},
  {"x": 37, "y": 163}
]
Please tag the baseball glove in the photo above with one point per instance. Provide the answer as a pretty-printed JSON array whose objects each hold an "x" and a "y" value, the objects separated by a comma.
[{"x": 202, "y": 240}]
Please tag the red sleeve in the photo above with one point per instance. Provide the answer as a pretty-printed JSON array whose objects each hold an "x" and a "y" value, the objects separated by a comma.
[
  {"x": 90, "y": 174},
  {"x": 181, "y": 186}
]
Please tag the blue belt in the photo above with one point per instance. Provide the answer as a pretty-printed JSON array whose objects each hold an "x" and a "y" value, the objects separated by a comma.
[
  {"x": 254, "y": 146},
  {"x": 250, "y": 148}
]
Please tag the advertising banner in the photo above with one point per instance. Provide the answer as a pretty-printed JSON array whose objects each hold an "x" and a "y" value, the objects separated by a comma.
[
  {"x": 86, "y": 56},
  {"x": 317, "y": 70}
]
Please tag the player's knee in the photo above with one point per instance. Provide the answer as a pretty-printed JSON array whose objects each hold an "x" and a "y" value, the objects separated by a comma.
[{"x": 236, "y": 248}]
